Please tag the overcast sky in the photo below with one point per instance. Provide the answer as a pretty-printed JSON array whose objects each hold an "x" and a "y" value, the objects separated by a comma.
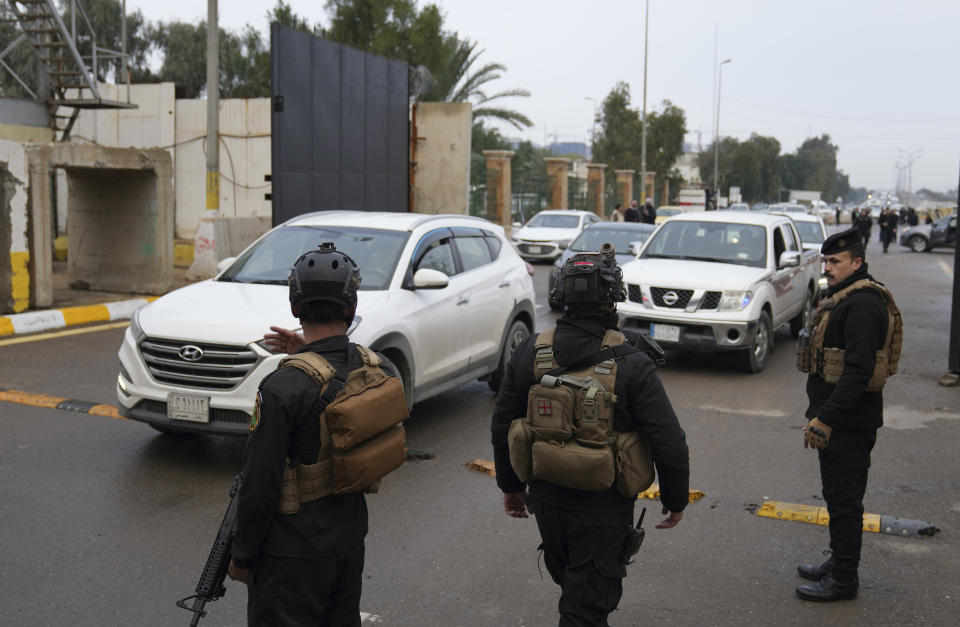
[{"x": 880, "y": 76}]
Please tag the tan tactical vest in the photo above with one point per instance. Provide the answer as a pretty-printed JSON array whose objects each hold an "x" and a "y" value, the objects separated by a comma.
[
  {"x": 827, "y": 362},
  {"x": 362, "y": 439},
  {"x": 567, "y": 436}
]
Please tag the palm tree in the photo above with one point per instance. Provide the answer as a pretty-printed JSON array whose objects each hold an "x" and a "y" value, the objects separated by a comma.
[{"x": 456, "y": 82}]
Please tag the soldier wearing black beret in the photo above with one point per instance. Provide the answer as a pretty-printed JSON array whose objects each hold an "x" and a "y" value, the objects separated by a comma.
[{"x": 849, "y": 328}]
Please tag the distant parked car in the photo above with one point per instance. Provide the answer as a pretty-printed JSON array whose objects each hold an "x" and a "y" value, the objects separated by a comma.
[
  {"x": 739, "y": 206},
  {"x": 812, "y": 230},
  {"x": 668, "y": 211},
  {"x": 924, "y": 237},
  {"x": 758, "y": 206},
  {"x": 627, "y": 239},
  {"x": 548, "y": 233}
]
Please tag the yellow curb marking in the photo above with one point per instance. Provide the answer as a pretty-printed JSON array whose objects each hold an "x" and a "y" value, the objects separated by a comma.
[
  {"x": 809, "y": 514},
  {"x": 25, "y": 398},
  {"x": 653, "y": 493},
  {"x": 106, "y": 410},
  {"x": 945, "y": 267},
  {"x": 6, "y": 327},
  {"x": 482, "y": 465},
  {"x": 82, "y": 315},
  {"x": 50, "y": 336}
]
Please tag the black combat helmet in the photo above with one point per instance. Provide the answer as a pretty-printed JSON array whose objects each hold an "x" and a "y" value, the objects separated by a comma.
[
  {"x": 324, "y": 275},
  {"x": 590, "y": 279}
]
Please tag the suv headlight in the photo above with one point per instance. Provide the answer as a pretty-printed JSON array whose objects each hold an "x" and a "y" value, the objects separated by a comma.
[
  {"x": 735, "y": 300},
  {"x": 135, "y": 328}
]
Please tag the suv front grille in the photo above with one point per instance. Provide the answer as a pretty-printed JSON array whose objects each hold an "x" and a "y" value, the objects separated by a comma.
[
  {"x": 711, "y": 300},
  {"x": 219, "y": 367},
  {"x": 682, "y": 297}
]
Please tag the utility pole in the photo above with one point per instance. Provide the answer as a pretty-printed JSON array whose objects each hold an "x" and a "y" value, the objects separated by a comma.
[
  {"x": 643, "y": 141},
  {"x": 213, "y": 107},
  {"x": 952, "y": 377},
  {"x": 716, "y": 138}
]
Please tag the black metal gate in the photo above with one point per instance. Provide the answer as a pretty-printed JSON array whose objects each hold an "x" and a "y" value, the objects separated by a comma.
[{"x": 340, "y": 127}]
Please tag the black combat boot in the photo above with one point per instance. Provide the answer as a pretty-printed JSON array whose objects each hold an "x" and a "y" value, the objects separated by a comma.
[
  {"x": 813, "y": 572},
  {"x": 829, "y": 589}
]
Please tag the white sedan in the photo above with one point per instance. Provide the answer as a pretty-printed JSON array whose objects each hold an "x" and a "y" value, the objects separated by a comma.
[
  {"x": 444, "y": 297},
  {"x": 548, "y": 233}
]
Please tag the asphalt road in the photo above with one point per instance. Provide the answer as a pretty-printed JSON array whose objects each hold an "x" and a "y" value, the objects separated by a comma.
[{"x": 107, "y": 522}]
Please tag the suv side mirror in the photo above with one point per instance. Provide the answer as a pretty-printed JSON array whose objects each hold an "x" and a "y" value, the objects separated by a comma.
[
  {"x": 635, "y": 248},
  {"x": 223, "y": 264},
  {"x": 430, "y": 279},
  {"x": 789, "y": 259}
]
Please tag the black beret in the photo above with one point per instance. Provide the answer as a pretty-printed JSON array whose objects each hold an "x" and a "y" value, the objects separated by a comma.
[{"x": 842, "y": 241}]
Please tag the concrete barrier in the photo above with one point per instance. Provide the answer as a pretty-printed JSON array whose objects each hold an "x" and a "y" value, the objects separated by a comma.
[{"x": 219, "y": 238}]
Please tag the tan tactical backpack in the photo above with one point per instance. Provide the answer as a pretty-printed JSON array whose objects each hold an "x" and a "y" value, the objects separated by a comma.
[
  {"x": 362, "y": 439},
  {"x": 567, "y": 436},
  {"x": 827, "y": 362}
]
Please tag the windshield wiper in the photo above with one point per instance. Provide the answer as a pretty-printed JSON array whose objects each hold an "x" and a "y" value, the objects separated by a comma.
[{"x": 269, "y": 282}]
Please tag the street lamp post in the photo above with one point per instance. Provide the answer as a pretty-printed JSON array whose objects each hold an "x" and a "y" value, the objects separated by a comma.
[
  {"x": 910, "y": 157},
  {"x": 716, "y": 138},
  {"x": 593, "y": 125},
  {"x": 643, "y": 141}
]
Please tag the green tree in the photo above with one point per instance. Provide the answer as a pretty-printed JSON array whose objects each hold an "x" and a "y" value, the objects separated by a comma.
[
  {"x": 619, "y": 131},
  {"x": 813, "y": 166},
  {"x": 665, "y": 132},
  {"x": 752, "y": 165}
]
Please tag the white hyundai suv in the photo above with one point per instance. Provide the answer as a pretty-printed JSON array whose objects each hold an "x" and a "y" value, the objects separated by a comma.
[
  {"x": 548, "y": 233},
  {"x": 444, "y": 297}
]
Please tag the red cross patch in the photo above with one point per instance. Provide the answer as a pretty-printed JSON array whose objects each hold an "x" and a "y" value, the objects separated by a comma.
[{"x": 544, "y": 408}]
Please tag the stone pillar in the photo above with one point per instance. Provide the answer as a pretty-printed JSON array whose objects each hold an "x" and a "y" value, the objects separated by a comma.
[
  {"x": 666, "y": 192},
  {"x": 625, "y": 186},
  {"x": 499, "y": 200},
  {"x": 595, "y": 187},
  {"x": 557, "y": 193},
  {"x": 41, "y": 243}
]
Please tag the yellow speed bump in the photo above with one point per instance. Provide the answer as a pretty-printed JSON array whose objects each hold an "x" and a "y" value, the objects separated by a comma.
[
  {"x": 653, "y": 493},
  {"x": 876, "y": 523}
]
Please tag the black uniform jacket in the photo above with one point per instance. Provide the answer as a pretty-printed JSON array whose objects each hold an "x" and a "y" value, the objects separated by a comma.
[
  {"x": 858, "y": 325},
  {"x": 642, "y": 405},
  {"x": 288, "y": 428}
]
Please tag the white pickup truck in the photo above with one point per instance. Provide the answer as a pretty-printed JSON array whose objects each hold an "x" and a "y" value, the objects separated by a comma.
[{"x": 721, "y": 281}]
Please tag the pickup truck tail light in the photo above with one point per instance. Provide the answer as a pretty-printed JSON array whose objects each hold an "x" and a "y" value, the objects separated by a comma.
[{"x": 735, "y": 300}]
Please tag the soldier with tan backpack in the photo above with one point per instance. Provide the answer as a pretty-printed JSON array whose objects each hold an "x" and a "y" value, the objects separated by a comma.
[
  {"x": 324, "y": 431},
  {"x": 583, "y": 420}
]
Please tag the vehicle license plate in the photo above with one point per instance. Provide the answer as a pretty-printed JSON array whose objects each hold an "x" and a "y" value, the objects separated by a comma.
[
  {"x": 665, "y": 332},
  {"x": 534, "y": 250},
  {"x": 190, "y": 408}
]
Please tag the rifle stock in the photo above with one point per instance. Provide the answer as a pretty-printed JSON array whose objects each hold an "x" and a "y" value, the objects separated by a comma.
[{"x": 210, "y": 588}]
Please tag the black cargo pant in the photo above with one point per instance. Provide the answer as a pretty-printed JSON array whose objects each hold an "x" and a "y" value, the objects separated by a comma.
[
  {"x": 843, "y": 472},
  {"x": 582, "y": 551},
  {"x": 307, "y": 591}
]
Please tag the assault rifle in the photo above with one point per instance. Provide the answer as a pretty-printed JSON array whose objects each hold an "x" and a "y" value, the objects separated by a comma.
[{"x": 211, "y": 585}]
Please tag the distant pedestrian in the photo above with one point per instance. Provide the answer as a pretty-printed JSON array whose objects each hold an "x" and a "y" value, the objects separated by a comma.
[
  {"x": 888, "y": 227},
  {"x": 632, "y": 214},
  {"x": 617, "y": 214},
  {"x": 838, "y": 214},
  {"x": 912, "y": 218},
  {"x": 929, "y": 219},
  {"x": 865, "y": 226},
  {"x": 648, "y": 215}
]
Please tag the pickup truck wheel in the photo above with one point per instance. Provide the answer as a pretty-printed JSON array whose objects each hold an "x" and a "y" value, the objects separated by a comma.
[
  {"x": 518, "y": 333},
  {"x": 918, "y": 244},
  {"x": 803, "y": 318},
  {"x": 755, "y": 357}
]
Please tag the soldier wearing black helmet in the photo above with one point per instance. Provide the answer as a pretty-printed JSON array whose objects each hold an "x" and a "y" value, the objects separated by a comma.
[
  {"x": 302, "y": 519},
  {"x": 596, "y": 419}
]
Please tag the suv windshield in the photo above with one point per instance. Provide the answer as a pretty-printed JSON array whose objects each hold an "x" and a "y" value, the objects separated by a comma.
[
  {"x": 554, "y": 221},
  {"x": 743, "y": 244},
  {"x": 269, "y": 260},
  {"x": 810, "y": 232},
  {"x": 592, "y": 239}
]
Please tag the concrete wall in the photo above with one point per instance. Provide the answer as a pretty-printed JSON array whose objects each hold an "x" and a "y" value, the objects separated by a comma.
[
  {"x": 14, "y": 247},
  {"x": 441, "y": 176},
  {"x": 24, "y": 121},
  {"x": 180, "y": 127},
  {"x": 244, "y": 161}
]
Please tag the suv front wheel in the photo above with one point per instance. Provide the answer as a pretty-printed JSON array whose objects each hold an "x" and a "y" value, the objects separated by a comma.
[
  {"x": 755, "y": 358},
  {"x": 517, "y": 333}
]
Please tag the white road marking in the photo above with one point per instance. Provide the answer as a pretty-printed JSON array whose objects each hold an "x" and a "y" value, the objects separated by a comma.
[
  {"x": 898, "y": 417},
  {"x": 763, "y": 413},
  {"x": 366, "y": 617}
]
